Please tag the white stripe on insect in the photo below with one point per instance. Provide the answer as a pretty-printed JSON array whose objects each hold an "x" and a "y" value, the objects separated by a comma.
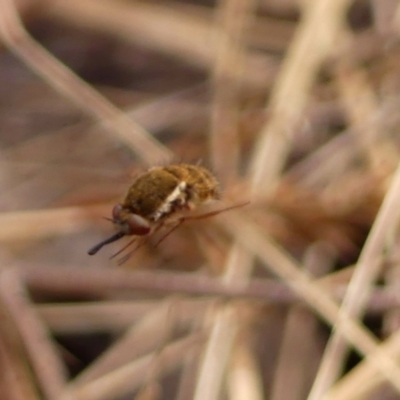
[{"x": 165, "y": 207}]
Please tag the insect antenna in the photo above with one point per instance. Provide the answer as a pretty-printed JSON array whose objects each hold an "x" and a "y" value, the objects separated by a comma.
[{"x": 111, "y": 239}]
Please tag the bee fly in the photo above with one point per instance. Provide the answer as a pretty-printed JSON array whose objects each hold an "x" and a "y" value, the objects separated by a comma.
[{"x": 157, "y": 195}]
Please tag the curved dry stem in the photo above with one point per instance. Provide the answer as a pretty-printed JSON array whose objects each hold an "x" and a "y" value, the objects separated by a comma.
[
  {"x": 129, "y": 377},
  {"x": 63, "y": 80},
  {"x": 17, "y": 381},
  {"x": 23, "y": 225},
  {"x": 146, "y": 335},
  {"x": 179, "y": 33},
  {"x": 366, "y": 272},
  {"x": 312, "y": 42},
  {"x": 365, "y": 377},
  {"x": 233, "y": 18},
  {"x": 46, "y": 363}
]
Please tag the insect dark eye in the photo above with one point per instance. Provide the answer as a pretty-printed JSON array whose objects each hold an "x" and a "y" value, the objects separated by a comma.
[
  {"x": 138, "y": 225},
  {"x": 116, "y": 211}
]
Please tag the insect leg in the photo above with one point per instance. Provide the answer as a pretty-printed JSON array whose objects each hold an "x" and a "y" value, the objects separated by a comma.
[
  {"x": 213, "y": 213},
  {"x": 176, "y": 226},
  {"x": 194, "y": 217},
  {"x": 142, "y": 243},
  {"x": 123, "y": 248}
]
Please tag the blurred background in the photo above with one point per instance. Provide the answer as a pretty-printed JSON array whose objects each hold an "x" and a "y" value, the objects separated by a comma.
[{"x": 293, "y": 104}]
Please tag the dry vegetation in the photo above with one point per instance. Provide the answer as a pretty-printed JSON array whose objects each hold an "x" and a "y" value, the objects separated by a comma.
[{"x": 295, "y": 106}]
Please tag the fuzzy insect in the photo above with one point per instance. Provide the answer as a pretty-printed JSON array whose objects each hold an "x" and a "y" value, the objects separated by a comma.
[{"x": 157, "y": 195}]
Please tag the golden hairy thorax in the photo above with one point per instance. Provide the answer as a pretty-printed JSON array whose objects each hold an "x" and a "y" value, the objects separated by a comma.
[{"x": 163, "y": 190}]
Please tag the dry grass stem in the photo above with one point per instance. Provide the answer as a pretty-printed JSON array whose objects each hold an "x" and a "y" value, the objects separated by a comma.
[
  {"x": 111, "y": 316},
  {"x": 161, "y": 28},
  {"x": 232, "y": 20},
  {"x": 366, "y": 272},
  {"x": 45, "y": 359},
  {"x": 17, "y": 381},
  {"x": 237, "y": 270},
  {"x": 361, "y": 103},
  {"x": 166, "y": 111},
  {"x": 188, "y": 378},
  {"x": 365, "y": 377},
  {"x": 312, "y": 43},
  {"x": 244, "y": 380},
  {"x": 391, "y": 319},
  {"x": 288, "y": 270},
  {"x": 154, "y": 26},
  {"x": 143, "y": 337},
  {"x": 62, "y": 79},
  {"x": 217, "y": 354},
  {"x": 338, "y": 155},
  {"x": 126, "y": 379},
  {"x": 39, "y": 224},
  {"x": 299, "y": 336},
  {"x": 93, "y": 281}
]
